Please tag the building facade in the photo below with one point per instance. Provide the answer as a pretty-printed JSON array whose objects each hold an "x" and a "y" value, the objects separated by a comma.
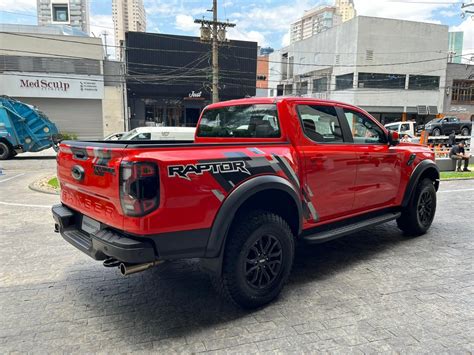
[
  {"x": 459, "y": 93},
  {"x": 455, "y": 43},
  {"x": 394, "y": 69},
  {"x": 169, "y": 77},
  {"x": 63, "y": 76},
  {"x": 262, "y": 76},
  {"x": 346, "y": 9},
  {"x": 74, "y": 13},
  {"x": 314, "y": 21},
  {"x": 128, "y": 15}
]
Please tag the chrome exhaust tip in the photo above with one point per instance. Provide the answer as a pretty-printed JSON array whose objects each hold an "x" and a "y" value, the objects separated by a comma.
[{"x": 128, "y": 269}]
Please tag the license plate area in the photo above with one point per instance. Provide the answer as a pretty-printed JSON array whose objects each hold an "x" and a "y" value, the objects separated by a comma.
[{"x": 90, "y": 225}]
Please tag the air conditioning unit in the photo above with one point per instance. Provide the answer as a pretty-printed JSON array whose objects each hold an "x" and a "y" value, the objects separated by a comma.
[{"x": 422, "y": 110}]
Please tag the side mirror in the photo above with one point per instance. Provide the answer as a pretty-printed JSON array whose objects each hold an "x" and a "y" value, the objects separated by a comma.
[{"x": 393, "y": 138}]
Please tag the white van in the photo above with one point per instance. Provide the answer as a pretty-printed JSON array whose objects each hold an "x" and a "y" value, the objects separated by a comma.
[
  {"x": 406, "y": 127},
  {"x": 160, "y": 134}
]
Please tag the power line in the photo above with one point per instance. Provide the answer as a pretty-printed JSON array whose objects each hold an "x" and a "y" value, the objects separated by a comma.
[
  {"x": 300, "y": 64},
  {"x": 195, "y": 40}
]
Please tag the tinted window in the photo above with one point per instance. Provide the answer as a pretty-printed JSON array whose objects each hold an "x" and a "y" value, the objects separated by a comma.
[
  {"x": 381, "y": 81},
  {"x": 247, "y": 121},
  {"x": 404, "y": 127},
  {"x": 423, "y": 82},
  {"x": 142, "y": 137},
  {"x": 344, "y": 81},
  {"x": 364, "y": 130},
  {"x": 320, "y": 123}
]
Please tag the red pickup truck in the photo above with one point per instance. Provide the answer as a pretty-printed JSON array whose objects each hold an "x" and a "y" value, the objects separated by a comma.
[{"x": 262, "y": 175}]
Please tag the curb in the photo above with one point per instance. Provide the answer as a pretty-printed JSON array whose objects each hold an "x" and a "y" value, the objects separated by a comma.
[
  {"x": 457, "y": 179},
  {"x": 39, "y": 189}
]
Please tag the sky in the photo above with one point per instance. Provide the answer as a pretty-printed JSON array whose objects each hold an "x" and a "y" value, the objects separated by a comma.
[{"x": 264, "y": 21}]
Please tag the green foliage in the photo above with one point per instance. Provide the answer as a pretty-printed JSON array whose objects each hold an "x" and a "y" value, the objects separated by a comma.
[
  {"x": 458, "y": 175},
  {"x": 54, "y": 183},
  {"x": 68, "y": 136}
]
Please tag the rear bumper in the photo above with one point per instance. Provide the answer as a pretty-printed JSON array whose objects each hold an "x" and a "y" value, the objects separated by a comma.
[
  {"x": 103, "y": 244},
  {"x": 109, "y": 243}
]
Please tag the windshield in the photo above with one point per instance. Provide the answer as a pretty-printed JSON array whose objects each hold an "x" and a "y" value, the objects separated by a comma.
[
  {"x": 434, "y": 120},
  {"x": 245, "y": 121},
  {"x": 129, "y": 135}
]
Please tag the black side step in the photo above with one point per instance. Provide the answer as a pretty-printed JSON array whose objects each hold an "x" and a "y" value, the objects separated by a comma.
[{"x": 326, "y": 235}]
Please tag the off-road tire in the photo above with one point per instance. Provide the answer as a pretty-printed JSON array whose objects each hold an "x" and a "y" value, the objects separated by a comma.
[
  {"x": 465, "y": 131},
  {"x": 417, "y": 217},
  {"x": 242, "y": 243},
  {"x": 5, "y": 151},
  {"x": 436, "y": 132}
]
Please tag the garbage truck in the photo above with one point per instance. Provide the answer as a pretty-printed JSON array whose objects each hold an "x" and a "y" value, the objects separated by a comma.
[{"x": 23, "y": 128}]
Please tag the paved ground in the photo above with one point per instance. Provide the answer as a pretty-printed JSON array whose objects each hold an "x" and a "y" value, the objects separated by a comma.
[{"x": 372, "y": 292}]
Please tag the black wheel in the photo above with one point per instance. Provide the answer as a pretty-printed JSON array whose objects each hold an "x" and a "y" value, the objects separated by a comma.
[
  {"x": 436, "y": 132},
  {"x": 416, "y": 219},
  {"x": 258, "y": 257},
  {"x": 465, "y": 131},
  {"x": 5, "y": 151}
]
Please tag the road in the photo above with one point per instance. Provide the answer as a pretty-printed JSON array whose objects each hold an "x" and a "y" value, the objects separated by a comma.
[{"x": 375, "y": 291}]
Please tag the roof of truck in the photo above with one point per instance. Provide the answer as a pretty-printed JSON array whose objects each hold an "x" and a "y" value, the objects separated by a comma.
[{"x": 271, "y": 100}]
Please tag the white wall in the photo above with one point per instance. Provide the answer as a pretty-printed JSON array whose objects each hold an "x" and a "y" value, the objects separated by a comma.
[{"x": 399, "y": 47}]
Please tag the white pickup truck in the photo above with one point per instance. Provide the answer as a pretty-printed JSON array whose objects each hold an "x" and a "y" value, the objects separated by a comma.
[
  {"x": 406, "y": 127},
  {"x": 160, "y": 134}
]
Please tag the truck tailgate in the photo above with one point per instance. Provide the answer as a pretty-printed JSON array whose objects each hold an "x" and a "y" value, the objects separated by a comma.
[{"x": 89, "y": 176}]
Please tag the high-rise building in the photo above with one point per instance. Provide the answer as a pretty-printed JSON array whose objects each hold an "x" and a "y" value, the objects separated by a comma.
[
  {"x": 128, "y": 15},
  {"x": 314, "y": 21},
  {"x": 346, "y": 9},
  {"x": 74, "y": 13},
  {"x": 455, "y": 44}
]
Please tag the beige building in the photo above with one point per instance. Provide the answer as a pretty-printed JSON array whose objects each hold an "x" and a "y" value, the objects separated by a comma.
[
  {"x": 346, "y": 9},
  {"x": 128, "y": 15},
  {"x": 314, "y": 21},
  {"x": 65, "y": 77}
]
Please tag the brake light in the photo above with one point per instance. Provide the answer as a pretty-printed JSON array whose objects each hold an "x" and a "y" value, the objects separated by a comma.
[{"x": 139, "y": 188}]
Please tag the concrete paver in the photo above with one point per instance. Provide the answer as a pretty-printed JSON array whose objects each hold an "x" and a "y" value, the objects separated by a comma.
[{"x": 375, "y": 291}]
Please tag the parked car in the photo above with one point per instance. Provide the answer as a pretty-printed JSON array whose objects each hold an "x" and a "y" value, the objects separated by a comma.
[
  {"x": 244, "y": 192},
  {"x": 403, "y": 127},
  {"x": 23, "y": 128},
  {"x": 444, "y": 126},
  {"x": 114, "y": 136},
  {"x": 160, "y": 134}
]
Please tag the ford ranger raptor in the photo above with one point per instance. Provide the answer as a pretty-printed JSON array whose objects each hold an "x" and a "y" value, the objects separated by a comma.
[{"x": 262, "y": 175}]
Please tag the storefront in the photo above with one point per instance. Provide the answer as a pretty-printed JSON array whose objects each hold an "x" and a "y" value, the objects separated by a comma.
[
  {"x": 168, "y": 77},
  {"x": 72, "y": 102}
]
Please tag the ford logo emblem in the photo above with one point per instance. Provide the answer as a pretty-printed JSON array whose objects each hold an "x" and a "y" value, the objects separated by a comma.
[{"x": 77, "y": 172}]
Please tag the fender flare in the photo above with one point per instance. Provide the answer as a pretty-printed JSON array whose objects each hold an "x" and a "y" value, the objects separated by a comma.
[
  {"x": 237, "y": 197},
  {"x": 422, "y": 167}
]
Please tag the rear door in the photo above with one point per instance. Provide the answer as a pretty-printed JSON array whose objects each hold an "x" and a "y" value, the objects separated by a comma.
[
  {"x": 330, "y": 163},
  {"x": 89, "y": 173},
  {"x": 379, "y": 164}
]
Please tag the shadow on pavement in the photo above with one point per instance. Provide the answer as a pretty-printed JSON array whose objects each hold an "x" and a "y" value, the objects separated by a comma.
[
  {"x": 30, "y": 157},
  {"x": 176, "y": 299}
]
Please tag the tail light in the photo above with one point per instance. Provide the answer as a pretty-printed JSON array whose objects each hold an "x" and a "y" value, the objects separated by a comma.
[{"x": 139, "y": 188}]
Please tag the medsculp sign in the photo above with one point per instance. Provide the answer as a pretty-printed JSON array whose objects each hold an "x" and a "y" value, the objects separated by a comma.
[{"x": 52, "y": 86}]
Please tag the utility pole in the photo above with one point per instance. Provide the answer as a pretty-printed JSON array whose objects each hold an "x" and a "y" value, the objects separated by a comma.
[
  {"x": 105, "y": 34},
  {"x": 214, "y": 31},
  {"x": 215, "y": 55}
]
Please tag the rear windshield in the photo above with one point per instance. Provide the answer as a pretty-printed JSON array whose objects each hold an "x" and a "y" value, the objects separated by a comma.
[{"x": 247, "y": 121}]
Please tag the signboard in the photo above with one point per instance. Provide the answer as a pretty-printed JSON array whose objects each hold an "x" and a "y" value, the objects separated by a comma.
[{"x": 51, "y": 85}]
